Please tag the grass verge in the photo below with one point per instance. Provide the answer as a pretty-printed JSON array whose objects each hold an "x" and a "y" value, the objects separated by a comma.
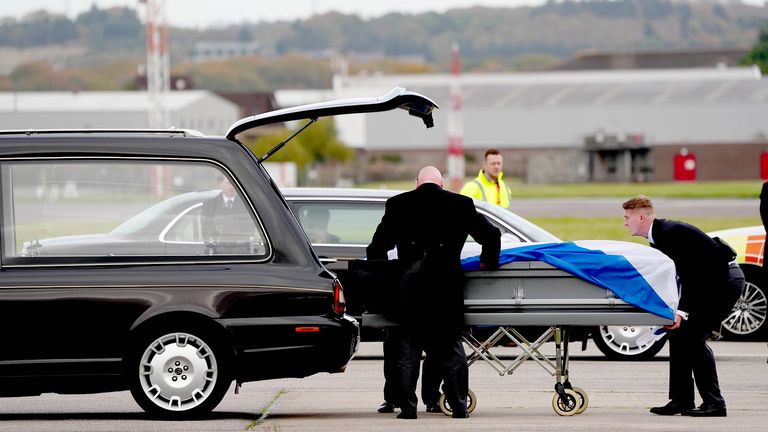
[{"x": 723, "y": 189}]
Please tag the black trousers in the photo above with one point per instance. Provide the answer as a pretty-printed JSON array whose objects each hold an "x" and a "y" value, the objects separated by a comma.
[
  {"x": 391, "y": 392},
  {"x": 430, "y": 375},
  {"x": 691, "y": 360},
  {"x": 430, "y": 381},
  {"x": 446, "y": 352}
]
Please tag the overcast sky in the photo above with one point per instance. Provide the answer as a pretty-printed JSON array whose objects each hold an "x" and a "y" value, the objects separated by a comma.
[{"x": 195, "y": 13}]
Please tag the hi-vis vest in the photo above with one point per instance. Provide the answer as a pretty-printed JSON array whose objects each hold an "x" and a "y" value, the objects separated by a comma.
[{"x": 484, "y": 190}]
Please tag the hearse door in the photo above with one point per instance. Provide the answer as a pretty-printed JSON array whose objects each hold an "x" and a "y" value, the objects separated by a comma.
[{"x": 52, "y": 317}]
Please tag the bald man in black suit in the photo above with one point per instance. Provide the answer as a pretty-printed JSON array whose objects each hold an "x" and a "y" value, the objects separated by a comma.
[{"x": 429, "y": 226}]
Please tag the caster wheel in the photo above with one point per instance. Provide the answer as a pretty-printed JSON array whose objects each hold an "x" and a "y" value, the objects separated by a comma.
[
  {"x": 446, "y": 409},
  {"x": 567, "y": 404},
  {"x": 583, "y": 399}
]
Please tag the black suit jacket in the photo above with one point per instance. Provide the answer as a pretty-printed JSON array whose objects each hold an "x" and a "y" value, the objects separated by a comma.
[
  {"x": 701, "y": 267},
  {"x": 429, "y": 226},
  {"x": 220, "y": 223}
]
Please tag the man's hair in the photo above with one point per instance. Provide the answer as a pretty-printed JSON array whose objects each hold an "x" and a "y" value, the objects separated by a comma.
[
  {"x": 640, "y": 202},
  {"x": 491, "y": 151}
]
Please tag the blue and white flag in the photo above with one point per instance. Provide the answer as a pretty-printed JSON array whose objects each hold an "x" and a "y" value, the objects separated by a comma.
[{"x": 640, "y": 275}]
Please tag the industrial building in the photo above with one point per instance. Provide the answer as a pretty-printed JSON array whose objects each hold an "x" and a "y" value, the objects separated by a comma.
[
  {"x": 569, "y": 126},
  {"x": 195, "y": 109}
]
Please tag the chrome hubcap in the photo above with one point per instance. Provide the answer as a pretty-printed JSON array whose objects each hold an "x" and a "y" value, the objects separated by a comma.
[
  {"x": 623, "y": 339},
  {"x": 749, "y": 313},
  {"x": 178, "y": 371}
]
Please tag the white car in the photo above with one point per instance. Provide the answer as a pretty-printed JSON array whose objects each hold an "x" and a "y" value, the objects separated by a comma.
[
  {"x": 747, "y": 321},
  {"x": 348, "y": 219}
]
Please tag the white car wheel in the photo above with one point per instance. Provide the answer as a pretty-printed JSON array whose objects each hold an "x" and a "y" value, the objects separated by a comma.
[
  {"x": 178, "y": 375},
  {"x": 620, "y": 342}
]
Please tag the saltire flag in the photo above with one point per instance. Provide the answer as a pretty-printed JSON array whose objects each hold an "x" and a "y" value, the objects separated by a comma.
[{"x": 640, "y": 275}]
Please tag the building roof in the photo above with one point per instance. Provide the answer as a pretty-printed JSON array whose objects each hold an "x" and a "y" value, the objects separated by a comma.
[
  {"x": 558, "y": 87},
  {"x": 97, "y": 101},
  {"x": 251, "y": 103},
  {"x": 561, "y": 108},
  {"x": 660, "y": 59}
]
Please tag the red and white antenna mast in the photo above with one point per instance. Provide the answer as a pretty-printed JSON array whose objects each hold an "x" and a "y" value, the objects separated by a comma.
[
  {"x": 158, "y": 84},
  {"x": 455, "y": 175},
  {"x": 158, "y": 63}
]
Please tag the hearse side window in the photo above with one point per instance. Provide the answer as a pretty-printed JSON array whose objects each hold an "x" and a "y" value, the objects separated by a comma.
[
  {"x": 339, "y": 223},
  {"x": 124, "y": 210}
]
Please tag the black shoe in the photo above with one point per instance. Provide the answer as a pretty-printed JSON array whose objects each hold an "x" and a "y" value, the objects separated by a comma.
[
  {"x": 386, "y": 407},
  {"x": 434, "y": 408},
  {"x": 460, "y": 414},
  {"x": 672, "y": 408},
  {"x": 407, "y": 415},
  {"x": 707, "y": 411}
]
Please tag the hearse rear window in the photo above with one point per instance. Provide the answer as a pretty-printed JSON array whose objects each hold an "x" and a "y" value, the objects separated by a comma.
[{"x": 97, "y": 210}]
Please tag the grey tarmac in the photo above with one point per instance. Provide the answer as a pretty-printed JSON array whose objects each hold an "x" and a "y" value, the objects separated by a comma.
[{"x": 620, "y": 394}]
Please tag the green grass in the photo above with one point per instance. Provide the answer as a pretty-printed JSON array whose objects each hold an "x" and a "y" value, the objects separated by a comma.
[
  {"x": 570, "y": 228},
  {"x": 722, "y": 189}
]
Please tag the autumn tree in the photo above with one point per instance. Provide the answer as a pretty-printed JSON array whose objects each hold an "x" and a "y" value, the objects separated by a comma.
[
  {"x": 758, "y": 55},
  {"x": 316, "y": 144}
]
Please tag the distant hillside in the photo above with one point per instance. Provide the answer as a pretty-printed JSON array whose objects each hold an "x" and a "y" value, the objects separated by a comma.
[
  {"x": 490, "y": 38},
  {"x": 556, "y": 28}
]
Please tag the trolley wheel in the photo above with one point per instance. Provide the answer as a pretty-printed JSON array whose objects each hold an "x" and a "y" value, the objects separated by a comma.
[
  {"x": 471, "y": 403},
  {"x": 567, "y": 404},
  {"x": 583, "y": 399}
]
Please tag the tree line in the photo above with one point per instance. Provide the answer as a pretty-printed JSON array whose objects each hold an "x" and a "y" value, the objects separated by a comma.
[{"x": 491, "y": 39}]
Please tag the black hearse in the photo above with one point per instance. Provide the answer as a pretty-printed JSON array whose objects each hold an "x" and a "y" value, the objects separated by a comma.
[{"x": 103, "y": 289}]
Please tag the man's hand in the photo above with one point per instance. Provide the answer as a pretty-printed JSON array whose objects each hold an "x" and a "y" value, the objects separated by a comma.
[{"x": 676, "y": 325}]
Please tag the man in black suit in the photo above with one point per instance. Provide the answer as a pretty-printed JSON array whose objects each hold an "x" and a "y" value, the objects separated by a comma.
[
  {"x": 429, "y": 226},
  {"x": 710, "y": 286},
  {"x": 227, "y": 226}
]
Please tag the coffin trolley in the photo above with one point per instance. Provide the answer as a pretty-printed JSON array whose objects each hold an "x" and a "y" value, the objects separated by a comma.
[{"x": 536, "y": 293}]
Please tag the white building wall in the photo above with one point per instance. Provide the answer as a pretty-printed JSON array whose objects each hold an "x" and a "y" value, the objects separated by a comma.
[
  {"x": 212, "y": 115},
  {"x": 201, "y": 110},
  {"x": 73, "y": 120}
]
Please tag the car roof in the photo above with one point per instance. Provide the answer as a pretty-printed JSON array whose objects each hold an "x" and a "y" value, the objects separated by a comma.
[
  {"x": 320, "y": 192},
  {"x": 532, "y": 231},
  {"x": 329, "y": 192},
  {"x": 129, "y": 132}
]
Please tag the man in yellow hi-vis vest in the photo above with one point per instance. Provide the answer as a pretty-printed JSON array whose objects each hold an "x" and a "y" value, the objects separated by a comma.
[{"x": 489, "y": 185}]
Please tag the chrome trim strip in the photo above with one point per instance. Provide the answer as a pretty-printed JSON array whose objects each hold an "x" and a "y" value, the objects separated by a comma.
[
  {"x": 132, "y": 263},
  {"x": 354, "y": 245},
  {"x": 167, "y": 228},
  {"x": 186, "y": 286},
  {"x": 516, "y": 303},
  {"x": 67, "y": 360}
]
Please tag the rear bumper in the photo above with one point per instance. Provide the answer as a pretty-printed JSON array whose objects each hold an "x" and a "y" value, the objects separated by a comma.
[{"x": 274, "y": 347}]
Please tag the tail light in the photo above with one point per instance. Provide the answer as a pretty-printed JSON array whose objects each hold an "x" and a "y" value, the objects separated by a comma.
[{"x": 339, "y": 303}]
